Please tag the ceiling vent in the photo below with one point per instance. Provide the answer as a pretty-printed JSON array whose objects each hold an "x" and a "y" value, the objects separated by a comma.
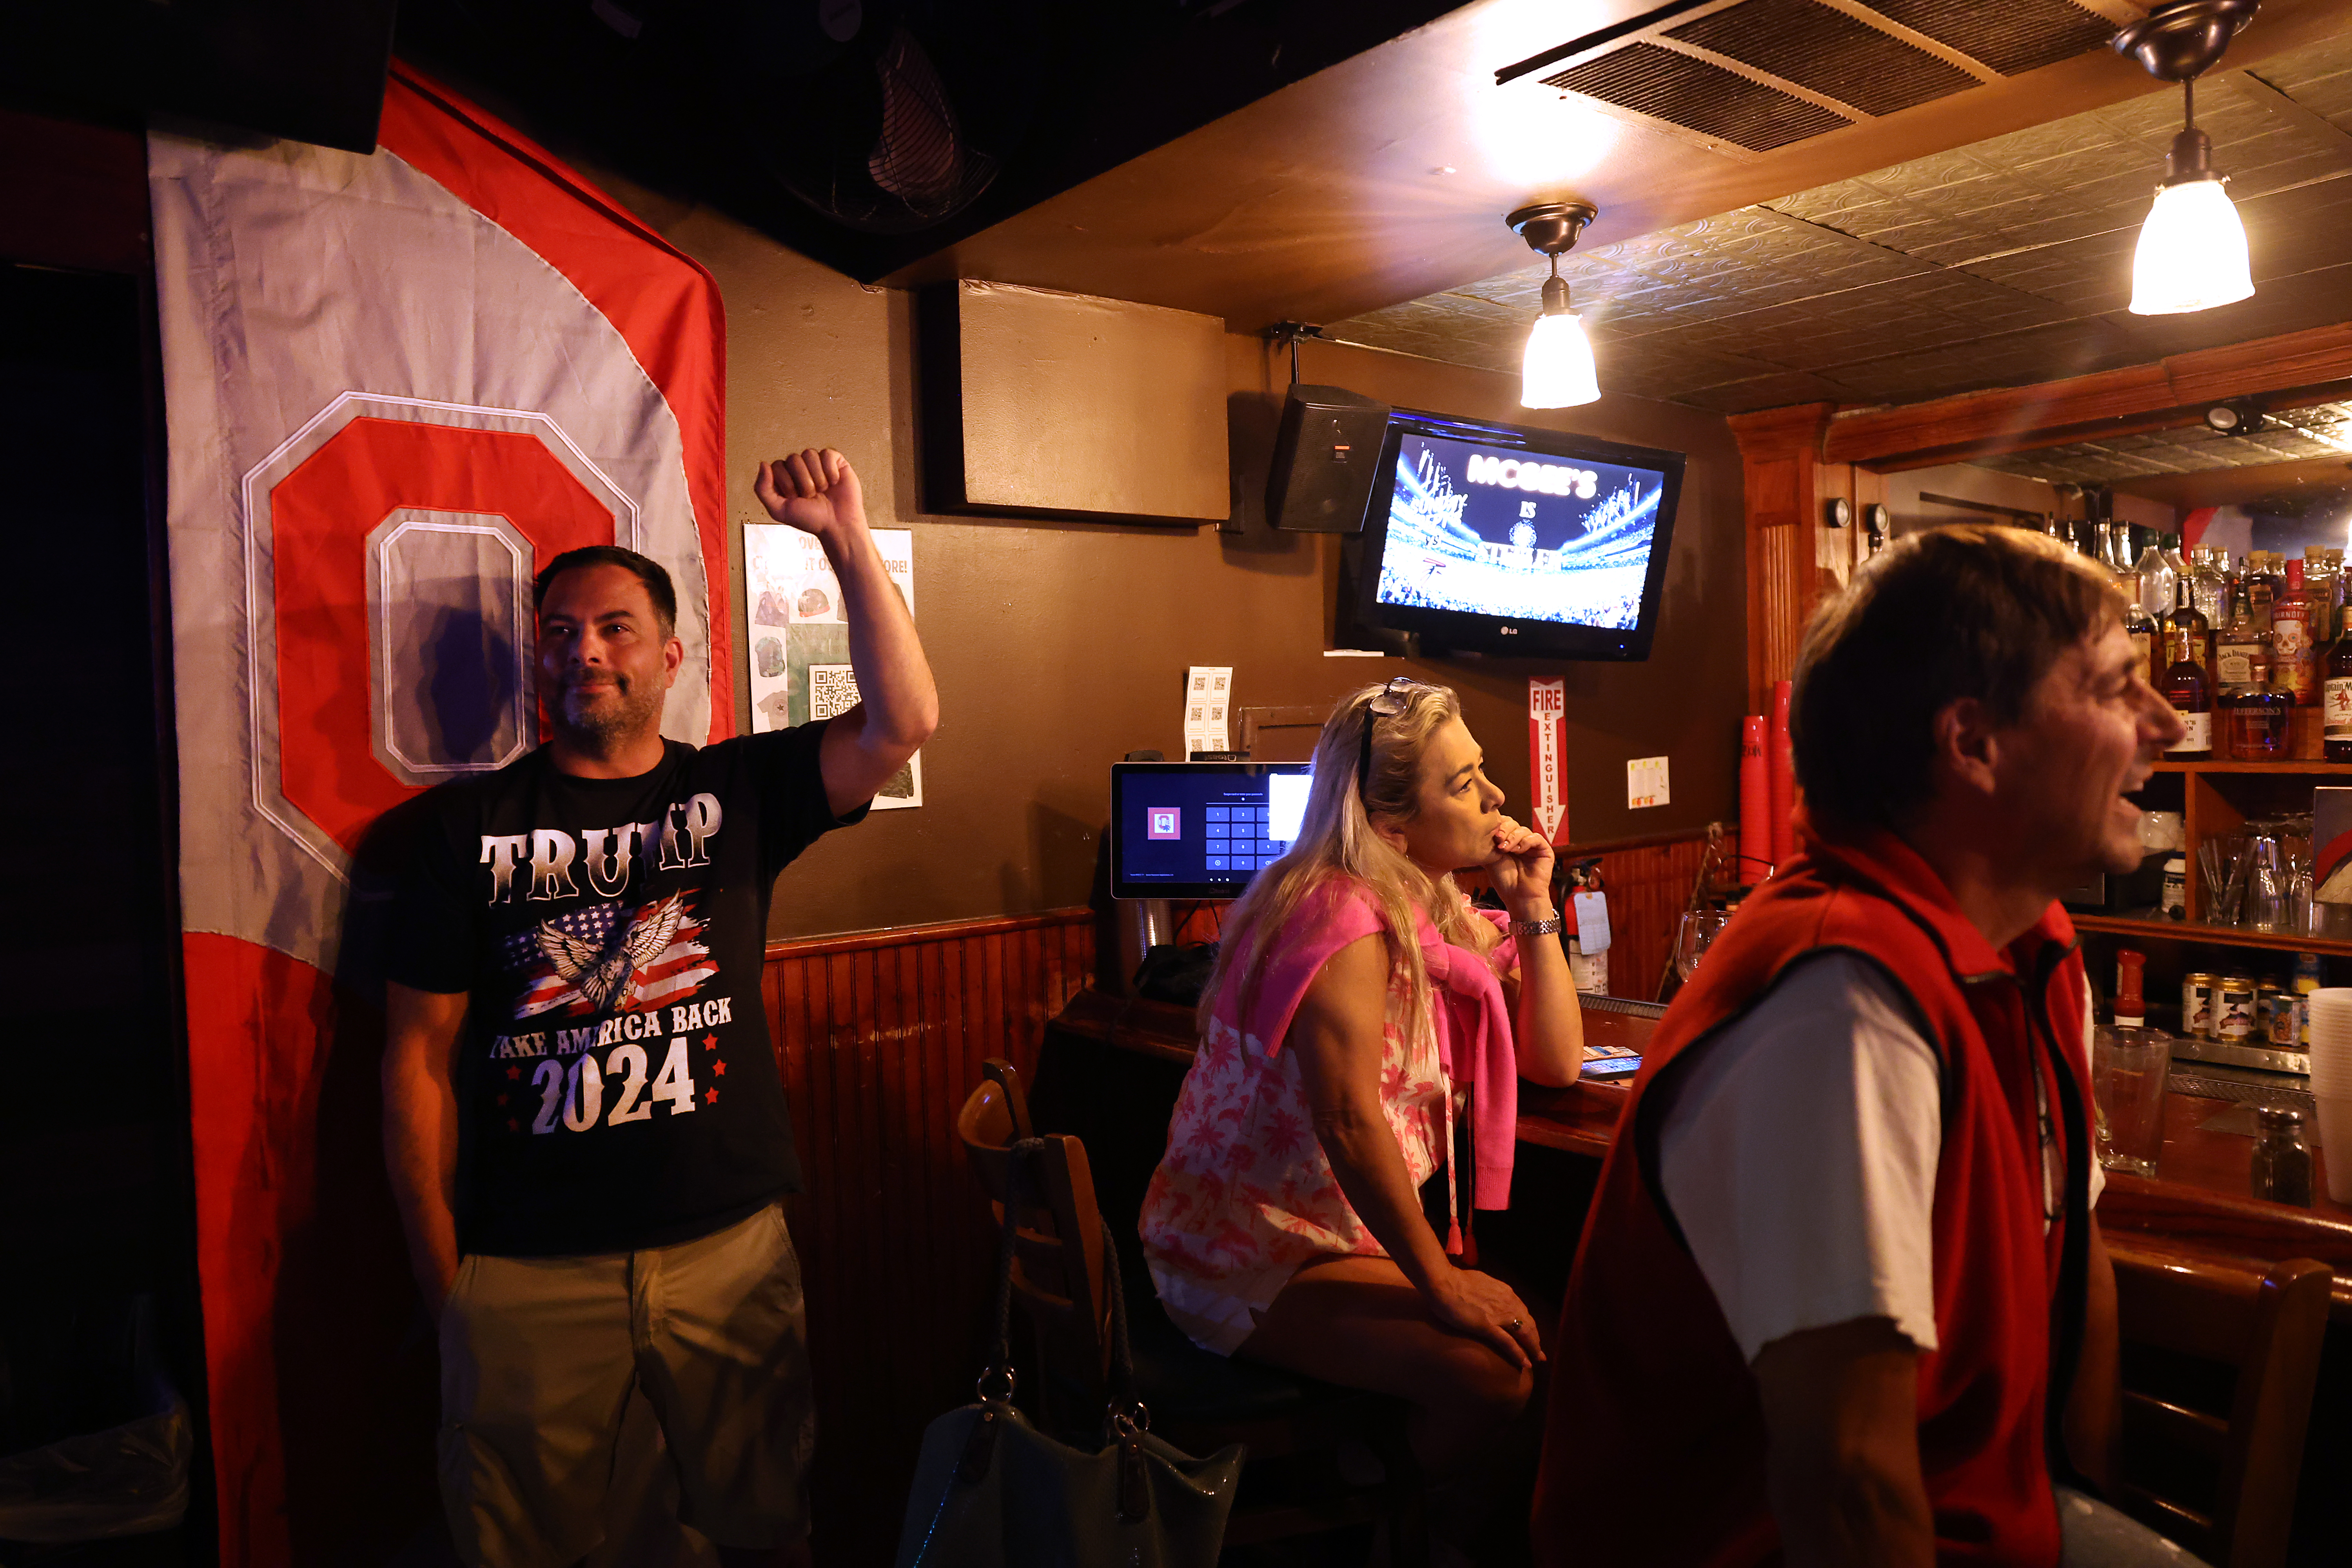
[
  {"x": 2013, "y": 36},
  {"x": 1756, "y": 75},
  {"x": 1698, "y": 97},
  {"x": 1828, "y": 51}
]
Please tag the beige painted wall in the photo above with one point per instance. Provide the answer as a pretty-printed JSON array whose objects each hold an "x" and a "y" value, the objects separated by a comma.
[
  {"x": 1966, "y": 481},
  {"x": 1969, "y": 482},
  {"x": 1060, "y": 645}
]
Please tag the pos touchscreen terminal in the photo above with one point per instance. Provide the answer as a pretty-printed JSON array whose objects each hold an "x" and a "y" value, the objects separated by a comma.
[{"x": 1201, "y": 830}]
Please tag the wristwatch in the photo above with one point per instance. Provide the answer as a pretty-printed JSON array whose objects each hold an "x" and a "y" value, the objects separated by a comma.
[{"x": 1537, "y": 927}]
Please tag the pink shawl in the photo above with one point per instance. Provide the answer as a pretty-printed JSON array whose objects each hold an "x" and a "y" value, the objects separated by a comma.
[{"x": 1474, "y": 1023}]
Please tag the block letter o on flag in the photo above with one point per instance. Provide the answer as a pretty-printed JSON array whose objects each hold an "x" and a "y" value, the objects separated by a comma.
[{"x": 402, "y": 553}]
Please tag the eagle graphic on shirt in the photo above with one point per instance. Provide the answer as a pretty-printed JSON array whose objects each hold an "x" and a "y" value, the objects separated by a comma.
[{"x": 608, "y": 957}]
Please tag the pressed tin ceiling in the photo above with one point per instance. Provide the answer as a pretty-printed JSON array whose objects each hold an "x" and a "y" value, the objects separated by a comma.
[
  {"x": 2321, "y": 431},
  {"x": 2001, "y": 263}
]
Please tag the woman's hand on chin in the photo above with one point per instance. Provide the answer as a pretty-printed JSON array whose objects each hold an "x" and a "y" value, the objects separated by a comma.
[{"x": 1521, "y": 871}]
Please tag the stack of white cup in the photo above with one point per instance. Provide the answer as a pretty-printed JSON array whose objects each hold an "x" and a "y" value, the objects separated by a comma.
[{"x": 2331, "y": 1085}]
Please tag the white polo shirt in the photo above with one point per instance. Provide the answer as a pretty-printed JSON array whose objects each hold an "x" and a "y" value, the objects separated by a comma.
[{"x": 1798, "y": 1153}]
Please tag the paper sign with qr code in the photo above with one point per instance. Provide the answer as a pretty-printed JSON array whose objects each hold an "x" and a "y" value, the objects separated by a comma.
[
  {"x": 797, "y": 624},
  {"x": 832, "y": 689}
]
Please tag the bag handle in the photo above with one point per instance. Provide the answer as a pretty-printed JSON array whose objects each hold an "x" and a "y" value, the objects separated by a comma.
[
  {"x": 998, "y": 1375},
  {"x": 994, "y": 1387},
  {"x": 1125, "y": 1418}
]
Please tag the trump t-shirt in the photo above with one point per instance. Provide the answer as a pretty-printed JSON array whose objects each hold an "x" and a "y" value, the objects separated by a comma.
[{"x": 616, "y": 1085}]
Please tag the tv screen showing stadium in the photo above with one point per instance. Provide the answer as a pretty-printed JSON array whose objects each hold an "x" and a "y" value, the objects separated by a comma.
[{"x": 1502, "y": 531}]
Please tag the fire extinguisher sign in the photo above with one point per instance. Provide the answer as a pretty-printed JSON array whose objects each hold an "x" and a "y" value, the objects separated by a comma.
[{"x": 1546, "y": 742}]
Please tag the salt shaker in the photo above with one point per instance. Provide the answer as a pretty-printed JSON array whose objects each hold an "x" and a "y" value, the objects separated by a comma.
[{"x": 2282, "y": 1167}]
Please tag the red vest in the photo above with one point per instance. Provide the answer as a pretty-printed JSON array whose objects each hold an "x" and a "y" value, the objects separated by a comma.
[{"x": 1653, "y": 1448}]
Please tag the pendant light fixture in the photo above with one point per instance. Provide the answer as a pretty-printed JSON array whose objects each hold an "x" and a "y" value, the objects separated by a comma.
[
  {"x": 2192, "y": 248},
  {"x": 1557, "y": 372}
]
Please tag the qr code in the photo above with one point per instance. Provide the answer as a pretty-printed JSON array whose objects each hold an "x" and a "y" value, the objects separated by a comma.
[{"x": 833, "y": 688}]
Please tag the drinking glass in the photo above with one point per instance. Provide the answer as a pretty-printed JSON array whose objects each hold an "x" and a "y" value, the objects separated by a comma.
[
  {"x": 2268, "y": 880},
  {"x": 1697, "y": 933},
  {"x": 2128, "y": 1068},
  {"x": 2223, "y": 861}
]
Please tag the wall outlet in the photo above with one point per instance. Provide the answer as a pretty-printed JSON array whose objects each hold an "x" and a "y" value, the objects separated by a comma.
[{"x": 1645, "y": 782}]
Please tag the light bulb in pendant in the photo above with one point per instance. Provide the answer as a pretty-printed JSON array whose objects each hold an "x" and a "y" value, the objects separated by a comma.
[
  {"x": 2192, "y": 251},
  {"x": 2191, "y": 254},
  {"x": 1558, "y": 370}
]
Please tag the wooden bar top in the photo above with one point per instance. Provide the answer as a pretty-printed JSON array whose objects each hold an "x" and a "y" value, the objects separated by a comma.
[{"x": 2197, "y": 1204}]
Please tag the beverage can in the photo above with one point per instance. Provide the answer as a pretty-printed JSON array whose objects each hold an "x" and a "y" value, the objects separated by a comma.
[
  {"x": 2197, "y": 1005},
  {"x": 2233, "y": 1009},
  {"x": 2285, "y": 1026},
  {"x": 2274, "y": 1012}
]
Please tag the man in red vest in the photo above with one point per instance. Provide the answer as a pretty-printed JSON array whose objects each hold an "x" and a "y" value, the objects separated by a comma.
[{"x": 1841, "y": 1298}]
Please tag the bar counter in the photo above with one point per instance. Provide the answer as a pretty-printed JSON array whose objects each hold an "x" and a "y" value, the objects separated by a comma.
[{"x": 2197, "y": 1206}]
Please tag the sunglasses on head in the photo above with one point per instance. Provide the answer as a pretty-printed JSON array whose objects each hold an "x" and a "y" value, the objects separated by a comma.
[{"x": 1387, "y": 703}]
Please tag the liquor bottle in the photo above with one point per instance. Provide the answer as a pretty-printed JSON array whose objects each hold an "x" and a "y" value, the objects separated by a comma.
[
  {"x": 2293, "y": 667},
  {"x": 2240, "y": 660},
  {"x": 2208, "y": 585},
  {"x": 2146, "y": 640},
  {"x": 2185, "y": 633},
  {"x": 2191, "y": 694},
  {"x": 2335, "y": 703},
  {"x": 2121, "y": 567},
  {"x": 2262, "y": 587},
  {"x": 2318, "y": 596},
  {"x": 2259, "y": 719},
  {"x": 2156, "y": 579},
  {"x": 2335, "y": 595}
]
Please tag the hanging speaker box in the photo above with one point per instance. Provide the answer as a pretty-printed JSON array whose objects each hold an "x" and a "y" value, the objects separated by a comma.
[{"x": 1325, "y": 460}]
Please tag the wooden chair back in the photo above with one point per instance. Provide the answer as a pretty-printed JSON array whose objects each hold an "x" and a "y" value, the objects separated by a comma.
[
  {"x": 1058, "y": 1259},
  {"x": 2245, "y": 1433}
]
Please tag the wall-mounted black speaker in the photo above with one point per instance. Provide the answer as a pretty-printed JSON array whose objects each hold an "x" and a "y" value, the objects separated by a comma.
[{"x": 1325, "y": 460}]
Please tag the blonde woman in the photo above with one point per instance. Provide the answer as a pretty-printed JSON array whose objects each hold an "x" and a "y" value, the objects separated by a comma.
[{"x": 1362, "y": 1019}]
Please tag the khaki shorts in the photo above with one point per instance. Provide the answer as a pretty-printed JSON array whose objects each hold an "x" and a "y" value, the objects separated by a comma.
[{"x": 539, "y": 1357}]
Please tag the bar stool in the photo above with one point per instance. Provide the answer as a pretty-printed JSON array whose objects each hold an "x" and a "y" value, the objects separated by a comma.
[
  {"x": 2219, "y": 1361},
  {"x": 1198, "y": 1400}
]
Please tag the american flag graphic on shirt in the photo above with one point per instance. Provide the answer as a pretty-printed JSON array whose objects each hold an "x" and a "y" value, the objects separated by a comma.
[{"x": 609, "y": 958}]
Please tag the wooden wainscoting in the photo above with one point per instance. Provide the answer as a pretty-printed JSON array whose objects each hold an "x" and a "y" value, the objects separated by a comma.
[
  {"x": 879, "y": 1036},
  {"x": 1648, "y": 880}
]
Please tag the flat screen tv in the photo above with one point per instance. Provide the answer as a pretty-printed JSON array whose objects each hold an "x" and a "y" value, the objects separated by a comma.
[{"x": 1498, "y": 538}]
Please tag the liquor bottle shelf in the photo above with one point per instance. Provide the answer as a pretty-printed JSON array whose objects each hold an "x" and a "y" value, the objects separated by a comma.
[
  {"x": 2219, "y": 936},
  {"x": 2290, "y": 768}
]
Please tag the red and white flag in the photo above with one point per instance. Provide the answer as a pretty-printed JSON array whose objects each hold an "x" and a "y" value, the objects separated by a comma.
[{"x": 397, "y": 387}]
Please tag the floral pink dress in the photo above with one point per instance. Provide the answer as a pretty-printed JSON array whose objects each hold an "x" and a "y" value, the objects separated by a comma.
[{"x": 1244, "y": 1195}]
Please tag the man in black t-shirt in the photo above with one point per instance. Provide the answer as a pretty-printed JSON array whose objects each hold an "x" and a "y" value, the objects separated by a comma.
[{"x": 584, "y": 1126}]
